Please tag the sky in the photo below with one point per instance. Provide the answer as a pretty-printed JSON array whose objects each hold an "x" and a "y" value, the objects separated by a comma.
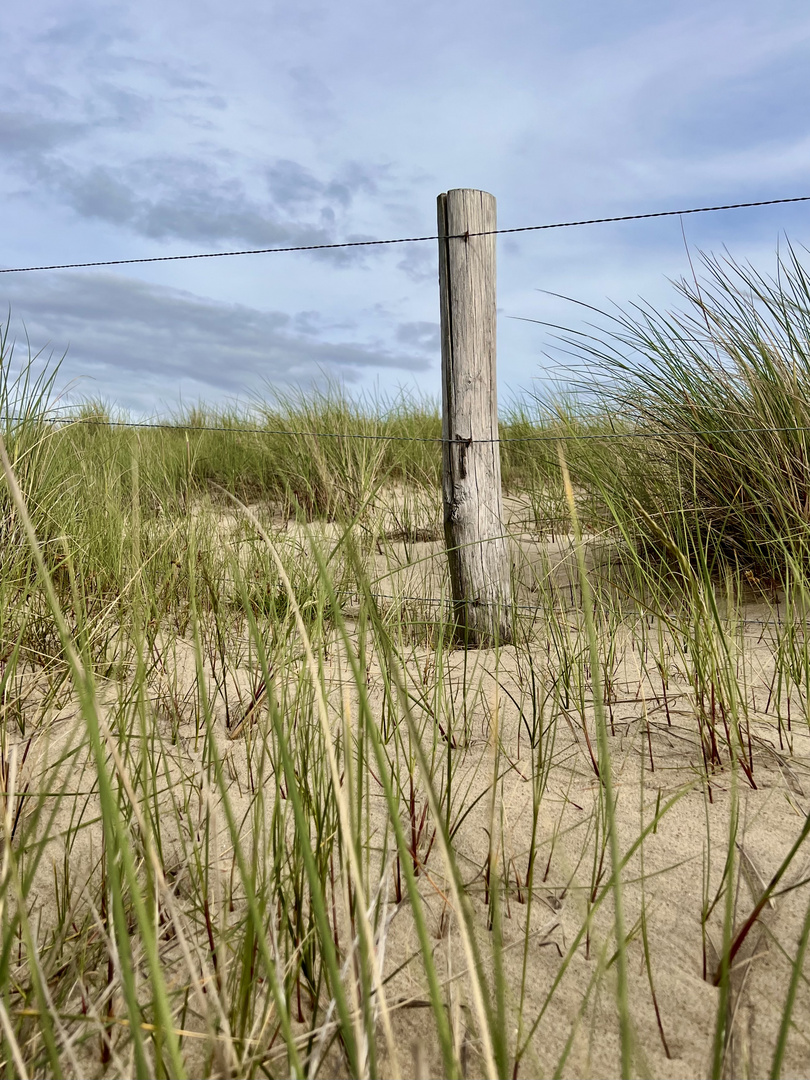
[{"x": 137, "y": 130}]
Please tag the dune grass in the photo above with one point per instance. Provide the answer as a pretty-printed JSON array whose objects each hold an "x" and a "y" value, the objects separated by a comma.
[
  {"x": 715, "y": 398},
  {"x": 261, "y": 818}
]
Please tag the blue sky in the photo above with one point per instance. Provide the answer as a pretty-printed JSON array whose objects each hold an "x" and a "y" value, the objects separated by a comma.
[{"x": 131, "y": 130}]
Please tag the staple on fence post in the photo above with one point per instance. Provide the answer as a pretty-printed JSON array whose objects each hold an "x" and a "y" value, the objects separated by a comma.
[{"x": 471, "y": 466}]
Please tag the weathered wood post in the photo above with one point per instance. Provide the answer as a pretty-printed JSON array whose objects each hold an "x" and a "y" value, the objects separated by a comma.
[{"x": 471, "y": 465}]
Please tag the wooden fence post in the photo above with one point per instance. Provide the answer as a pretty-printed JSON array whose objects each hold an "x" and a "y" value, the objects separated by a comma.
[{"x": 471, "y": 463}]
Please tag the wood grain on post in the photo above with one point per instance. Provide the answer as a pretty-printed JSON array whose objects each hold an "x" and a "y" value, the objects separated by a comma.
[{"x": 473, "y": 504}]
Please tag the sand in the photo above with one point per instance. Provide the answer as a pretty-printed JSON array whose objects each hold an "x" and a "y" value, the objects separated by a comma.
[{"x": 658, "y": 766}]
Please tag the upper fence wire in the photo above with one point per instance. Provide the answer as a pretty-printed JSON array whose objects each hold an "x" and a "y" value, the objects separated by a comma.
[
  {"x": 407, "y": 239},
  {"x": 242, "y": 430}
]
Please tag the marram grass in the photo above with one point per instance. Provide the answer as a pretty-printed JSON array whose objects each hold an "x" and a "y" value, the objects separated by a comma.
[{"x": 261, "y": 818}]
